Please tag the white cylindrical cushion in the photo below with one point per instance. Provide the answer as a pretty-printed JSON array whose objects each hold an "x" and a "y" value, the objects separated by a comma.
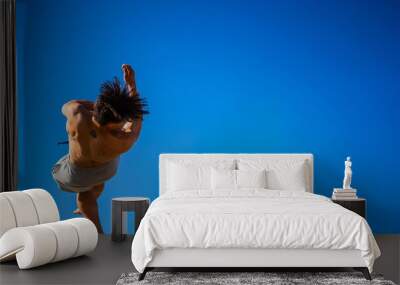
[
  {"x": 26, "y": 208},
  {"x": 23, "y": 208},
  {"x": 66, "y": 238},
  {"x": 45, "y": 205},
  {"x": 33, "y": 246},
  {"x": 7, "y": 218},
  {"x": 87, "y": 234},
  {"x": 37, "y": 245}
]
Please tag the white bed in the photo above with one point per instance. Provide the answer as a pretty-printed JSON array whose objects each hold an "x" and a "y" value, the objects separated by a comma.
[{"x": 248, "y": 227}]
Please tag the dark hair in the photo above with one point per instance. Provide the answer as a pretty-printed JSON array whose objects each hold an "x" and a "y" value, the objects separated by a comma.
[{"x": 114, "y": 105}]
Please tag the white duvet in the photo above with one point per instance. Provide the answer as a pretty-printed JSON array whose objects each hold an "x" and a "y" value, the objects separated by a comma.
[{"x": 250, "y": 218}]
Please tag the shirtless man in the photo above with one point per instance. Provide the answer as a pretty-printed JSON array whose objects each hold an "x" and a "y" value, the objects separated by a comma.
[{"x": 98, "y": 133}]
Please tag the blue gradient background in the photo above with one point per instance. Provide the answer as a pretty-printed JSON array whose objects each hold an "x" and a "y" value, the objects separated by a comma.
[{"x": 221, "y": 76}]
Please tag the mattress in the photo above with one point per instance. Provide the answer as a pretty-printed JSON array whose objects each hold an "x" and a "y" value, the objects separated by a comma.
[{"x": 250, "y": 219}]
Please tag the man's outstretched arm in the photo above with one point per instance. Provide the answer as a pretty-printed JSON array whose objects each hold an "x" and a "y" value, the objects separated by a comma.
[
  {"x": 134, "y": 127},
  {"x": 129, "y": 78}
]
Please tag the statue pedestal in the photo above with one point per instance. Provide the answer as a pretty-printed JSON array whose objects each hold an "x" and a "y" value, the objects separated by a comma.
[
  {"x": 351, "y": 190},
  {"x": 340, "y": 193}
]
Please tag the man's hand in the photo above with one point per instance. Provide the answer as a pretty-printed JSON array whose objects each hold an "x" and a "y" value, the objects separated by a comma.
[
  {"x": 127, "y": 127},
  {"x": 129, "y": 78}
]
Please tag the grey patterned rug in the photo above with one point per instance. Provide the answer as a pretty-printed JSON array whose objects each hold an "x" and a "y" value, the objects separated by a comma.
[{"x": 269, "y": 278}]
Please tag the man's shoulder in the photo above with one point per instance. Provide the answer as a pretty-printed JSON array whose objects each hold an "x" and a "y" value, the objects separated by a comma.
[
  {"x": 81, "y": 119},
  {"x": 80, "y": 110}
]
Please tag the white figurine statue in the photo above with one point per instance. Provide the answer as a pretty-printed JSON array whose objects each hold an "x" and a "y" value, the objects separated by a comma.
[{"x": 348, "y": 173}]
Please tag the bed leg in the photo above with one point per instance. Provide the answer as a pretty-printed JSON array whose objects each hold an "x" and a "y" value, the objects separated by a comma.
[
  {"x": 143, "y": 274},
  {"x": 364, "y": 271}
]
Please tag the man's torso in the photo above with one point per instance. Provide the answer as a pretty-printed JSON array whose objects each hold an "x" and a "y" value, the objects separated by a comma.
[{"x": 90, "y": 145}]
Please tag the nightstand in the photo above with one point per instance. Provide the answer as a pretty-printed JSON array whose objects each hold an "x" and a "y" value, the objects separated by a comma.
[
  {"x": 358, "y": 205},
  {"x": 120, "y": 207}
]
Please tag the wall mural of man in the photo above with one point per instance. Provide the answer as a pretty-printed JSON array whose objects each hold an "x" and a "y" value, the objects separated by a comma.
[{"x": 98, "y": 133}]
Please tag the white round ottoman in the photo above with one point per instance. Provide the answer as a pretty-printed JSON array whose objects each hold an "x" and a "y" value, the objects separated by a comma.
[{"x": 31, "y": 232}]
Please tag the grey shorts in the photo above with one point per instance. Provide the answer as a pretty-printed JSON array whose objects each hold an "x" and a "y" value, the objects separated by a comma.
[{"x": 72, "y": 178}]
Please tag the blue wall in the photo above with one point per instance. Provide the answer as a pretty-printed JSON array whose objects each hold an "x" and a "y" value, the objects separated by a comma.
[{"x": 221, "y": 76}]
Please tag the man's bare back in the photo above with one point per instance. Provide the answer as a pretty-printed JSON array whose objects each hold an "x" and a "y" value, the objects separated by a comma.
[
  {"x": 91, "y": 144},
  {"x": 98, "y": 133}
]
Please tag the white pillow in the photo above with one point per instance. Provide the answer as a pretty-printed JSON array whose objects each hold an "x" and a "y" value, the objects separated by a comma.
[
  {"x": 281, "y": 174},
  {"x": 251, "y": 178},
  {"x": 287, "y": 179},
  {"x": 223, "y": 179},
  {"x": 189, "y": 175},
  {"x": 237, "y": 179}
]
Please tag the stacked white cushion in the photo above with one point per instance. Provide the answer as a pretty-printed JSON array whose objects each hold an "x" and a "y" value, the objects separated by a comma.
[
  {"x": 31, "y": 246},
  {"x": 31, "y": 232},
  {"x": 65, "y": 235},
  {"x": 41, "y": 244},
  {"x": 24, "y": 210},
  {"x": 45, "y": 205},
  {"x": 87, "y": 234},
  {"x": 282, "y": 174},
  {"x": 7, "y": 218}
]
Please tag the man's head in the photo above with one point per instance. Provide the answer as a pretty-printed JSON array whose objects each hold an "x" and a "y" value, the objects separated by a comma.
[{"x": 114, "y": 105}]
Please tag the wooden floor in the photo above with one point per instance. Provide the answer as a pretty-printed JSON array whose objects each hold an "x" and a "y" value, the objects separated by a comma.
[
  {"x": 110, "y": 260},
  {"x": 389, "y": 262},
  {"x": 103, "y": 266}
]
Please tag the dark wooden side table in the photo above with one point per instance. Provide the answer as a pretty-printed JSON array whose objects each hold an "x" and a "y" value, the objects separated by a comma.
[
  {"x": 358, "y": 205},
  {"x": 120, "y": 207}
]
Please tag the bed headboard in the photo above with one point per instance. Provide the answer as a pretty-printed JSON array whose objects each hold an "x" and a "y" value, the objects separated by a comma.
[{"x": 165, "y": 157}]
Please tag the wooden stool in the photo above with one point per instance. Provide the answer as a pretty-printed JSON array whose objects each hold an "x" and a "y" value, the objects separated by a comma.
[{"x": 120, "y": 207}]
